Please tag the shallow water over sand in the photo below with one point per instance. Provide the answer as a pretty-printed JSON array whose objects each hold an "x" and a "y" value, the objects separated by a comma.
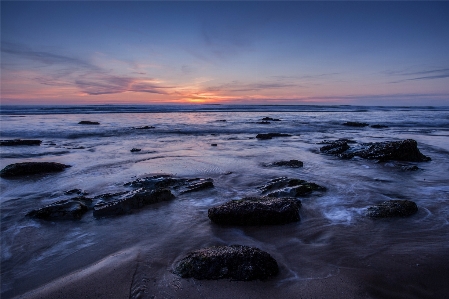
[{"x": 332, "y": 245}]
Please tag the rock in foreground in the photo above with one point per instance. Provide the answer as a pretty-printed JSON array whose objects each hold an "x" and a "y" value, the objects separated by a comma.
[
  {"x": 236, "y": 262},
  {"x": 131, "y": 201},
  {"x": 15, "y": 142},
  {"x": 286, "y": 187},
  {"x": 60, "y": 210},
  {"x": 29, "y": 168},
  {"x": 177, "y": 185},
  {"x": 256, "y": 211},
  {"x": 393, "y": 208}
]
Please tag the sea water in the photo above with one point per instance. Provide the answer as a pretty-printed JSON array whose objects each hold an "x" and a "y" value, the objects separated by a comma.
[{"x": 333, "y": 232}]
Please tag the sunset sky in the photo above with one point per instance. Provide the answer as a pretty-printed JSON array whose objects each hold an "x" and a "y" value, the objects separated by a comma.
[{"x": 365, "y": 53}]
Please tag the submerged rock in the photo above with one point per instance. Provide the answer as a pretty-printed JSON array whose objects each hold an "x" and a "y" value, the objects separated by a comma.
[
  {"x": 271, "y": 119},
  {"x": 290, "y": 163},
  {"x": 213, "y": 144},
  {"x": 379, "y": 126},
  {"x": 29, "y": 168},
  {"x": 286, "y": 187},
  {"x": 133, "y": 150},
  {"x": 355, "y": 124},
  {"x": 393, "y": 208},
  {"x": 236, "y": 262},
  {"x": 179, "y": 185},
  {"x": 61, "y": 210},
  {"x": 256, "y": 211},
  {"x": 131, "y": 201},
  {"x": 15, "y": 142},
  {"x": 88, "y": 122},
  {"x": 144, "y": 127},
  {"x": 271, "y": 135},
  {"x": 409, "y": 167}
]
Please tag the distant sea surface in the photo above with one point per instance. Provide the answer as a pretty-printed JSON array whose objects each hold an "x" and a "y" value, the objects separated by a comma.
[{"x": 333, "y": 239}]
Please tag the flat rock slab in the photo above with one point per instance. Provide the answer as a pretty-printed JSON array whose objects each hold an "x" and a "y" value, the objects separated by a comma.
[
  {"x": 88, "y": 122},
  {"x": 60, "y": 210},
  {"x": 290, "y": 163},
  {"x": 236, "y": 262},
  {"x": 287, "y": 187},
  {"x": 133, "y": 200},
  {"x": 256, "y": 211},
  {"x": 16, "y": 142},
  {"x": 355, "y": 124},
  {"x": 263, "y": 136},
  {"x": 29, "y": 168},
  {"x": 393, "y": 208},
  {"x": 177, "y": 185},
  {"x": 335, "y": 148}
]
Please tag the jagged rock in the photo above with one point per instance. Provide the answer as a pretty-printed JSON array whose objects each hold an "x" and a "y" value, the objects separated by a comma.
[
  {"x": 379, "y": 126},
  {"x": 236, "y": 262},
  {"x": 271, "y": 119},
  {"x": 256, "y": 211},
  {"x": 88, "y": 122},
  {"x": 15, "y": 142},
  {"x": 406, "y": 150},
  {"x": 286, "y": 187},
  {"x": 335, "y": 148},
  {"x": 131, "y": 201},
  {"x": 144, "y": 127},
  {"x": 355, "y": 124},
  {"x": 291, "y": 163},
  {"x": 133, "y": 150},
  {"x": 61, "y": 210},
  {"x": 28, "y": 168},
  {"x": 271, "y": 135},
  {"x": 178, "y": 185},
  {"x": 393, "y": 208}
]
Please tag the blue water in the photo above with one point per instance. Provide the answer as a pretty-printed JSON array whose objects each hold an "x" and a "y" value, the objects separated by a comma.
[{"x": 333, "y": 233}]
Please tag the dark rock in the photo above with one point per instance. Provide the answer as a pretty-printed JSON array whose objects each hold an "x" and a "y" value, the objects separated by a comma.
[
  {"x": 393, "y": 208},
  {"x": 133, "y": 150},
  {"x": 16, "y": 142},
  {"x": 60, "y": 210},
  {"x": 355, "y": 124},
  {"x": 131, "y": 201},
  {"x": 177, "y": 185},
  {"x": 406, "y": 150},
  {"x": 87, "y": 122},
  {"x": 333, "y": 141},
  {"x": 379, "y": 126},
  {"x": 221, "y": 120},
  {"x": 286, "y": 187},
  {"x": 271, "y": 119},
  {"x": 271, "y": 135},
  {"x": 291, "y": 163},
  {"x": 236, "y": 262},
  {"x": 213, "y": 144},
  {"x": 144, "y": 127},
  {"x": 335, "y": 148},
  {"x": 28, "y": 168},
  {"x": 256, "y": 211}
]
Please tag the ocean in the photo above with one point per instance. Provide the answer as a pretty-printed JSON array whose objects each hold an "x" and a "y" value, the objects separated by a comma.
[{"x": 333, "y": 242}]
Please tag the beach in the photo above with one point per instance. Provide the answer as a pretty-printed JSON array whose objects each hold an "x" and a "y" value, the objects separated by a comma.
[{"x": 333, "y": 251}]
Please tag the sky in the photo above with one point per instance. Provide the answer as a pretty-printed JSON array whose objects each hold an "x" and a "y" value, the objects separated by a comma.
[{"x": 356, "y": 53}]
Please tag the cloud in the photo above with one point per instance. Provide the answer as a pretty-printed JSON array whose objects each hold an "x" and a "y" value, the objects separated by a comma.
[
  {"x": 236, "y": 86},
  {"x": 62, "y": 71},
  {"x": 419, "y": 75}
]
